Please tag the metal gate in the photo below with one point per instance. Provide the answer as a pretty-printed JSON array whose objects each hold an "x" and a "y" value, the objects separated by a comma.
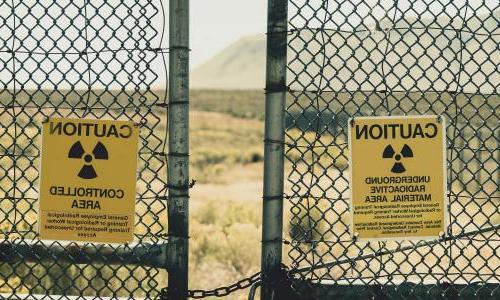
[
  {"x": 94, "y": 59},
  {"x": 381, "y": 58},
  {"x": 98, "y": 59}
]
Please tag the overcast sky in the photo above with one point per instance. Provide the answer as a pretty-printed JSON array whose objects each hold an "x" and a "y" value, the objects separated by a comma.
[{"x": 215, "y": 24}]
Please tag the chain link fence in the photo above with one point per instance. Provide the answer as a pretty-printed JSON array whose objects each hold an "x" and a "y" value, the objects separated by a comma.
[
  {"x": 92, "y": 59},
  {"x": 104, "y": 59},
  {"x": 382, "y": 58}
]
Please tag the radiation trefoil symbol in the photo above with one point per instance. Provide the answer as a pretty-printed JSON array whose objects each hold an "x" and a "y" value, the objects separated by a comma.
[
  {"x": 398, "y": 166},
  {"x": 99, "y": 152}
]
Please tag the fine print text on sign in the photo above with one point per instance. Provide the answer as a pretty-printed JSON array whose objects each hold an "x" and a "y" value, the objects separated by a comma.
[
  {"x": 398, "y": 177},
  {"x": 88, "y": 180}
]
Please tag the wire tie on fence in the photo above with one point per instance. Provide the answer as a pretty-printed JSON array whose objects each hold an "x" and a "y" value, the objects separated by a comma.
[
  {"x": 161, "y": 104},
  {"x": 275, "y": 240},
  {"x": 270, "y": 198},
  {"x": 279, "y": 30},
  {"x": 171, "y": 196},
  {"x": 8, "y": 154},
  {"x": 160, "y": 235},
  {"x": 186, "y": 237},
  {"x": 182, "y": 187},
  {"x": 157, "y": 50},
  {"x": 86, "y": 109},
  {"x": 179, "y": 48},
  {"x": 163, "y": 154},
  {"x": 271, "y": 141},
  {"x": 281, "y": 88},
  {"x": 177, "y": 103},
  {"x": 352, "y": 122},
  {"x": 177, "y": 154},
  {"x": 177, "y": 187}
]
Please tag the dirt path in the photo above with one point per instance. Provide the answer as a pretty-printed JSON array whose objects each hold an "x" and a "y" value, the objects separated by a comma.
[{"x": 241, "y": 183}]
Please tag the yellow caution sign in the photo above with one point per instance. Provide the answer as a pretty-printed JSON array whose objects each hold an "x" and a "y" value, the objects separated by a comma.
[
  {"x": 88, "y": 180},
  {"x": 398, "y": 177}
]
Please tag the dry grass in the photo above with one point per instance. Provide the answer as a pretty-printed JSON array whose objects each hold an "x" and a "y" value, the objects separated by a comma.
[
  {"x": 220, "y": 142},
  {"x": 225, "y": 209}
]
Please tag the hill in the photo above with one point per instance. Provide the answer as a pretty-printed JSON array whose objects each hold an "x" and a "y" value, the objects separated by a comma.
[
  {"x": 239, "y": 66},
  {"x": 431, "y": 53}
]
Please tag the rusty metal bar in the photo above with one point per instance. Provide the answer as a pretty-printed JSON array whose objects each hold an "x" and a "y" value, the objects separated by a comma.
[{"x": 35, "y": 251}]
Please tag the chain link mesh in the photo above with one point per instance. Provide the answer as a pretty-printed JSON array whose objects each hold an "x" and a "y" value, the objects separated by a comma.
[
  {"x": 389, "y": 57},
  {"x": 97, "y": 59}
]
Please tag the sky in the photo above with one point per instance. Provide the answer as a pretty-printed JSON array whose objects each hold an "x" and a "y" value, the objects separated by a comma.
[{"x": 216, "y": 24}]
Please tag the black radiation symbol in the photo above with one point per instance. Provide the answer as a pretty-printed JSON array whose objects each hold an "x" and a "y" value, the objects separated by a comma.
[
  {"x": 398, "y": 165},
  {"x": 99, "y": 152}
]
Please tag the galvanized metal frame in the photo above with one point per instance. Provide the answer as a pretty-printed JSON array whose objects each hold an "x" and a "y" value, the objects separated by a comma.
[
  {"x": 103, "y": 48},
  {"x": 272, "y": 219},
  {"x": 178, "y": 162},
  {"x": 361, "y": 59}
]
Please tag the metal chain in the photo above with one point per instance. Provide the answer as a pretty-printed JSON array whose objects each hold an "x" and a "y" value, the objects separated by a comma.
[
  {"x": 226, "y": 290},
  {"x": 223, "y": 290}
]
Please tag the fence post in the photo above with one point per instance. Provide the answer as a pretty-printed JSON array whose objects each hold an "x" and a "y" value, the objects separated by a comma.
[
  {"x": 178, "y": 147},
  {"x": 272, "y": 230}
]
